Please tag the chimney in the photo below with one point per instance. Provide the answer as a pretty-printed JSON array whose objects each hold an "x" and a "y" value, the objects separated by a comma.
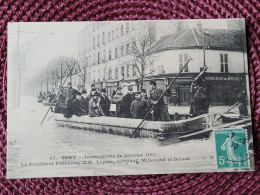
[{"x": 199, "y": 26}]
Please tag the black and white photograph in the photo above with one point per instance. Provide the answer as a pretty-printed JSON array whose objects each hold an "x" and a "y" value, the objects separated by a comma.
[{"x": 128, "y": 98}]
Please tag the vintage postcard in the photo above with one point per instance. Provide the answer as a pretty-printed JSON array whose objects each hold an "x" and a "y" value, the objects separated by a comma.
[{"x": 127, "y": 98}]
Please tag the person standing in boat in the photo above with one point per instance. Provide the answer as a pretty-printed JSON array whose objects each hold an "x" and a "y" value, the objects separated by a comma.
[
  {"x": 95, "y": 109},
  {"x": 242, "y": 104},
  {"x": 199, "y": 95},
  {"x": 71, "y": 96},
  {"x": 117, "y": 99},
  {"x": 160, "y": 111},
  {"x": 139, "y": 106},
  {"x": 78, "y": 108},
  {"x": 104, "y": 102},
  {"x": 84, "y": 100},
  {"x": 60, "y": 105},
  {"x": 127, "y": 101}
]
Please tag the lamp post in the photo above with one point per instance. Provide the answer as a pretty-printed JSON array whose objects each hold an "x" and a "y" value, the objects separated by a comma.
[{"x": 204, "y": 48}]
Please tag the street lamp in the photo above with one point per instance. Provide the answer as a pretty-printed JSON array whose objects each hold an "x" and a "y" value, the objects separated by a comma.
[{"x": 204, "y": 48}]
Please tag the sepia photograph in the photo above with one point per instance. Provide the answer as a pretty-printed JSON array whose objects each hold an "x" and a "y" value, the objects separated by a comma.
[{"x": 127, "y": 98}]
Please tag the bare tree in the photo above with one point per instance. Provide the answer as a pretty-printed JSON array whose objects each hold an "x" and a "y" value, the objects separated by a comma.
[
  {"x": 83, "y": 70},
  {"x": 141, "y": 54},
  {"x": 19, "y": 58},
  {"x": 70, "y": 64}
]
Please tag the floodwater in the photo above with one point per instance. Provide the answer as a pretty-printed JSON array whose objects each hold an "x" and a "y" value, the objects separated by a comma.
[{"x": 36, "y": 150}]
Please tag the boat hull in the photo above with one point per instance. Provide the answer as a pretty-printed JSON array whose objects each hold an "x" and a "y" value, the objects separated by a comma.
[{"x": 126, "y": 126}]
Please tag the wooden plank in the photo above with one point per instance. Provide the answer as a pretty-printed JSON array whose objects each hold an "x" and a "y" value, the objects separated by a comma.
[{"x": 217, "y": 127}]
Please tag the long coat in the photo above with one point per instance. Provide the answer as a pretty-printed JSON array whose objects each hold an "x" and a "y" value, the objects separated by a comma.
[
  {"x": 126, "y": 104},
  {"x": 105, "y": 104},
  {"x": 117, "y": 99},
  {"x": 139, "y": 108}
]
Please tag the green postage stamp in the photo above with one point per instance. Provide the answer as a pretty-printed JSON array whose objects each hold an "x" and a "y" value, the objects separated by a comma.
[{"x": 231, "y": 148}]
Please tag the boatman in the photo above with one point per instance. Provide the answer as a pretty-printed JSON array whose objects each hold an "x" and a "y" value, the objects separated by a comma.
[
  {"x": 160, "y": 111},
  {"x": 71, "y": 96}
]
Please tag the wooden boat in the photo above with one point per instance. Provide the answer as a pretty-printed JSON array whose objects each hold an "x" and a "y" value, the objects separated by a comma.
[
  {"x": 126, "y": 126},
  {"x": 230, "y": 117}
]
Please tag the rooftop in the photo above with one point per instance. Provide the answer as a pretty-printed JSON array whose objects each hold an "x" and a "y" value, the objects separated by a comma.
[{"x": 218, "y": 39}]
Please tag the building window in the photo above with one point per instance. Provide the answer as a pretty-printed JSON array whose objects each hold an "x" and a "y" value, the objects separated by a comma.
[
  {"x": 116, "y": 73},
  {"x": 116, "y": 32},
  {"x": 122, "y": 71},
  {"x": 98, "y": 60},
  {"x": 224, "y": 62},
  {"x": 108, "y": 37},
  {"x": 128, "y": 70},
  {"x": 103, "y": 38},
  {"x": 122, "y": 50},
  {"x": 127, "y": 27},
  {"x": 94, "y": 75},
  {"x": 122, "y": 30},
  {"x": 93, "y": 42},
  {"x": 104, "y": 74},
  {"x": 109, "y": 55},
  {"x": 94, "y": 59},
  {"x": 98, "y": 75},
  {"x": 116, "y": 53},
  {"x": 133, "y": 44},
  {"x": 113, "y": 35},
  {"x": 98, "y": 40},
  {"x": 104, "y": 55},
  {"x": 127, "y": 48},
  {"x": 183, "y": 58},
  {"x": 134, "y": 71},
  {"x": 110, "y": 73}
]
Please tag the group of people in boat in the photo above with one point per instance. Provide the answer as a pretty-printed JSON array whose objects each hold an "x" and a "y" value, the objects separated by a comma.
[{"x": 96, "y": 103}]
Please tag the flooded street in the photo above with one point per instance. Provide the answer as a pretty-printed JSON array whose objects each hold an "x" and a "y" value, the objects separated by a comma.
[{"x": 32, "y": 146}]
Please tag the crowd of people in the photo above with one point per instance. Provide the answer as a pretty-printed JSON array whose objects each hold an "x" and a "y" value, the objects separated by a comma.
[{"x": 96, "y": 103}]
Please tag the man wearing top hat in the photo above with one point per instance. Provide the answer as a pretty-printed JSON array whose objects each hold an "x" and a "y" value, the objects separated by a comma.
[
  {"x": 127, "y": 101},
  {"x": 104, "y": 102},
  {"x": 160, "y": 112},
  {"x": 84, "y": 100}
]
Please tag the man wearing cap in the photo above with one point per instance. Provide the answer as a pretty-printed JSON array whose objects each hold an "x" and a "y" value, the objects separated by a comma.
[
  {"x": 95, "y": 109},
  {"x": 160, "y": 112},
  {"x": 104, "y": 102},
  {"x": 139, "y": 106},
  {"x": 126, "y": 102},
  {"x": 84, "y": 100},
  {"x": 117, "y": 99}
]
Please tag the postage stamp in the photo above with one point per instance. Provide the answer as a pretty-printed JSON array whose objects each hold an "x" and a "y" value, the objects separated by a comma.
[{"x": 231, "y": 148}]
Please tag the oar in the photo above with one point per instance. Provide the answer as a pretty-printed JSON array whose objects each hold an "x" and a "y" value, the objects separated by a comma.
[
  {"x": 227, "y": 110},
  {"x": 57, "y": 94},
  {"x": 137, "y": 130}
]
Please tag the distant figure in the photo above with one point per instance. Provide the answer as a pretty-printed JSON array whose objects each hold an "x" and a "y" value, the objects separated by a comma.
[
  {"x": 160, "y": 112},
  {"x": 139, "y": 106},
  {"x": 199, "y": 95},
  {"x": 104, "y": 102},
  {"x": 117, "y": 99},
  {"x": 126, "y": 103},
  {"x": 144, "y": 94},
  {"x": 71, "y": 96},
  {"x": 242, "y": 104},
  {"x": 84, "y": 100},
  {"x": 94, "y": 106},
  {"x": 40, "y": 97}
]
